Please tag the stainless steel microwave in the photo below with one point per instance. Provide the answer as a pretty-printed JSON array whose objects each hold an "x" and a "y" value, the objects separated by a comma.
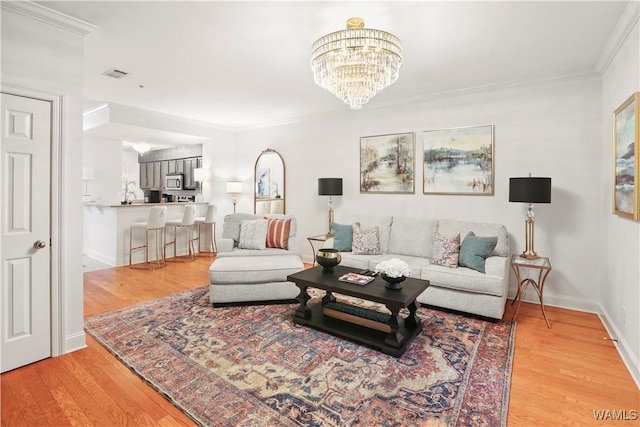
[{"x": 173, "y": 181}]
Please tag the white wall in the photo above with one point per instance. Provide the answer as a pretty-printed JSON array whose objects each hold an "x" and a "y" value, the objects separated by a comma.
[
  {"x": 39, "y": 56},
  {"x": 620, "y": 286},
  {"x": 550, "y": 129},
  {"x": 553, "y": 128},
  {"x": 109, "y": 162}
]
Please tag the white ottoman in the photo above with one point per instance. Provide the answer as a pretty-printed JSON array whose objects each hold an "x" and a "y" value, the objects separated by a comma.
[{"x": 249, "y": 279}]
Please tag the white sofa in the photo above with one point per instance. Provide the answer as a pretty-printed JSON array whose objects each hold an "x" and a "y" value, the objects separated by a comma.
[
  {"x": 462, "y": 289},
  {"x": 253, "y": 275}
]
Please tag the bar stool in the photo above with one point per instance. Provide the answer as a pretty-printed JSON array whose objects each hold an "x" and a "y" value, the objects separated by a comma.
[
  {"x": 188, "y": 217},
  {"x": 156, "y": 223},
  {"x": 208, "y": 221}
]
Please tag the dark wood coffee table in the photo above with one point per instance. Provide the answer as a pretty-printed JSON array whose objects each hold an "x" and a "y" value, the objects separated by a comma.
[{"x": 395, "y": 332}]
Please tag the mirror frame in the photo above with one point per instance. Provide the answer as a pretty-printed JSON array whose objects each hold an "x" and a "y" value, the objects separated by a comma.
[{"x": 281, "y": 189}]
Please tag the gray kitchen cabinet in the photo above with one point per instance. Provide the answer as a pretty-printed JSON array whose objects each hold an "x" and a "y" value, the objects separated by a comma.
[
  {"x": 144, "y": 176},
  {"x": 150, "y": 175},
  {"x": 175, "y": 166},
  {"x": 157, "y": 182},
  {"x": 189, "y": 166},
  {"x": 164, "y": 169}
]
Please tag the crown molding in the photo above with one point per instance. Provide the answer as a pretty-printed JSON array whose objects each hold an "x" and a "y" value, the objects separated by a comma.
[
  {"x": 49, "y": 16},
  {"x": 627, "y": 21},
  {"x": 515, "y": 84},
  {"x": 95, "y": 116}
]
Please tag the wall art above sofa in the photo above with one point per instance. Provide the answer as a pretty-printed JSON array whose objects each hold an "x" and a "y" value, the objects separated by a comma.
[
  {"x": 387, "y": 163},
  {"x": 459, "y": 161}
]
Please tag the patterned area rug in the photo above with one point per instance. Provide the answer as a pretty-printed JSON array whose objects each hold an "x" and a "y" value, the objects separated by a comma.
[{"x": 252, "y": 366}]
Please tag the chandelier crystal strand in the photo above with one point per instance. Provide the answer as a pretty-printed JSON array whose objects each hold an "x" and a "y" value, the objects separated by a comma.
[{"x": 357, "y": 63}]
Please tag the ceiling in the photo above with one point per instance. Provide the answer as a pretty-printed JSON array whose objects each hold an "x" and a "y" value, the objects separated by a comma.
[{"x": 240, "y": 65}]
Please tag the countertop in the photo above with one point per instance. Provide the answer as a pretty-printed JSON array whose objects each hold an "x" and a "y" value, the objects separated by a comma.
[{"x": 141, "y": 204}]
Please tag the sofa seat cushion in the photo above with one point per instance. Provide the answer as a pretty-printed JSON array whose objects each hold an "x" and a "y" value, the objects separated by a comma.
[
  {"x": 259, "y": 269},
  {"x": 239, "y": 252},
  {"x": 252, "y": 292},
  {"x": 363, "y": 262},
  {"x": 369, "y": 262},
  {"x": 464, "y": 279},
  {"x": 417, "y": 264},
  {"x": 412, "y": 236}
]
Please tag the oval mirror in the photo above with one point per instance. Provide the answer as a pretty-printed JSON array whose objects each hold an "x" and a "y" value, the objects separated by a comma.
[{"x": 269, "y": 183}]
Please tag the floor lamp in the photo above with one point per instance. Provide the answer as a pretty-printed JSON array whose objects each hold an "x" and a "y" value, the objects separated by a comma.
[
  {"x": 330, "y": 187},
  {"x": 529, "y": 190},
  {"x": 234, "y": 188}
]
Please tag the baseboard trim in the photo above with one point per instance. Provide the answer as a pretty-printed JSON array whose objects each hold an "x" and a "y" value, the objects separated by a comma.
[
  {"x": 101, "y": 257},
  {"x": 75, "y": 342},
  {"x": 590, "y": 306},
  {"x": 632, "y": 363}
]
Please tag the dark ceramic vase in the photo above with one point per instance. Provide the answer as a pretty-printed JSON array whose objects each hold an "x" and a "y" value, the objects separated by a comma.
[
  {"x": 328, "y": 258},
  {"x": 394, "y": 283}
]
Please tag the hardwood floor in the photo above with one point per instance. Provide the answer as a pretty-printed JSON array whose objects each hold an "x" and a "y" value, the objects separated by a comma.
[{"x": 560, "y": 375}]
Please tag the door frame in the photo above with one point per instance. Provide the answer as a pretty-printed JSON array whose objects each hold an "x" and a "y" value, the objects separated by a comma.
[{"x": 56, "y": 188}]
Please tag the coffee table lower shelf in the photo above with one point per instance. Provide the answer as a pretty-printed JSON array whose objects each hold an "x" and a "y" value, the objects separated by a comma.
[{"x": 370, "y": 337}]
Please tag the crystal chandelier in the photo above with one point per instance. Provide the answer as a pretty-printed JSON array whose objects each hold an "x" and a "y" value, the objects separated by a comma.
[{"x": 357, "y": 63}]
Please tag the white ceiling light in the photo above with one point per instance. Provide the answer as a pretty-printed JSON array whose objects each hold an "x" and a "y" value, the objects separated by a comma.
[
  {"x": 357, "y": 63},
  {"x": 141, "y": 147}
]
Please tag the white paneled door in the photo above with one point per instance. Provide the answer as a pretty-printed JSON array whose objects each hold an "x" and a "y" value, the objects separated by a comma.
[{"x": 25, "y": 308}]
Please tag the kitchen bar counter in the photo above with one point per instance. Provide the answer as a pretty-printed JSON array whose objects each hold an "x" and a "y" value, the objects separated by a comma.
[
  {"x": 140, "y": 204},
  {"x": 106, "y": 229}
]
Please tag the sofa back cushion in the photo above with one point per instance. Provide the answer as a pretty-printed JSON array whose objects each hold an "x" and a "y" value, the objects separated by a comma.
[
  {"x": 232, "y": 223},
  {"x": 412, "y": 236},
  {"x": 450, "y": 227},
  {"x": 368, "y": 221}
]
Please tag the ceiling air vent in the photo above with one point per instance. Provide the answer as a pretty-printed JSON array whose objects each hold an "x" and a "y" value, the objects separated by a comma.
[{"x": 116, "y": 74}]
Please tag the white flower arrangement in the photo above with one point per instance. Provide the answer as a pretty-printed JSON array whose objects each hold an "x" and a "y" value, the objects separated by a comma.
[{"x": 393, "y": 267}]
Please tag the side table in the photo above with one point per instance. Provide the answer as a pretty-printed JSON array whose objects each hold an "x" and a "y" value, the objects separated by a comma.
[
  {"x": 319, "y": 238},
  {"x": 543, "y": 267}
]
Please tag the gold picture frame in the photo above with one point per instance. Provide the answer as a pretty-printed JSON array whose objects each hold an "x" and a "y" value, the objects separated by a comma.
[
  {"x": 387, "y": 163},
  {"x": 626, "y": 120}
]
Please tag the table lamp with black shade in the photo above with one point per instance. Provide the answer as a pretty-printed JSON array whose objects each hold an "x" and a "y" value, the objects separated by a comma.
[
  {"x": 330, "y": 187},
  {"x": 529, "y": 190}
]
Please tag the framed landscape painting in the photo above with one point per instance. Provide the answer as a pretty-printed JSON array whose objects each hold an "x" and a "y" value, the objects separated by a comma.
[
  {"x": 625, "y": 158},
  {"x": 459, "y": 161},
  {"x": 387, "y": 163}
]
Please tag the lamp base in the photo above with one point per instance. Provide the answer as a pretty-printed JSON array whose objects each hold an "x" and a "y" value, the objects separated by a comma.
[{"x": 529, "y": 255}]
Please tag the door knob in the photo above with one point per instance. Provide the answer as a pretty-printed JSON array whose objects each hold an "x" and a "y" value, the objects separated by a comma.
[{"x": 39, "y": 244}]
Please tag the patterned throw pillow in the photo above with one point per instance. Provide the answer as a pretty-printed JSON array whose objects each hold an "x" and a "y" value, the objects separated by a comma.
[
  {"x": 253, "y": 234},
  {"x": 278, "y": 231},
  {"x": 446, "y": 250},
  {"x": 366, "y": 241}
]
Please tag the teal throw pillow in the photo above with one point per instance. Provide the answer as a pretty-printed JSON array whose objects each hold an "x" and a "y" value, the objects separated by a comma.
[
  {"x": 474, "y": 251},
  {"x": 342, "y": 236}
]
